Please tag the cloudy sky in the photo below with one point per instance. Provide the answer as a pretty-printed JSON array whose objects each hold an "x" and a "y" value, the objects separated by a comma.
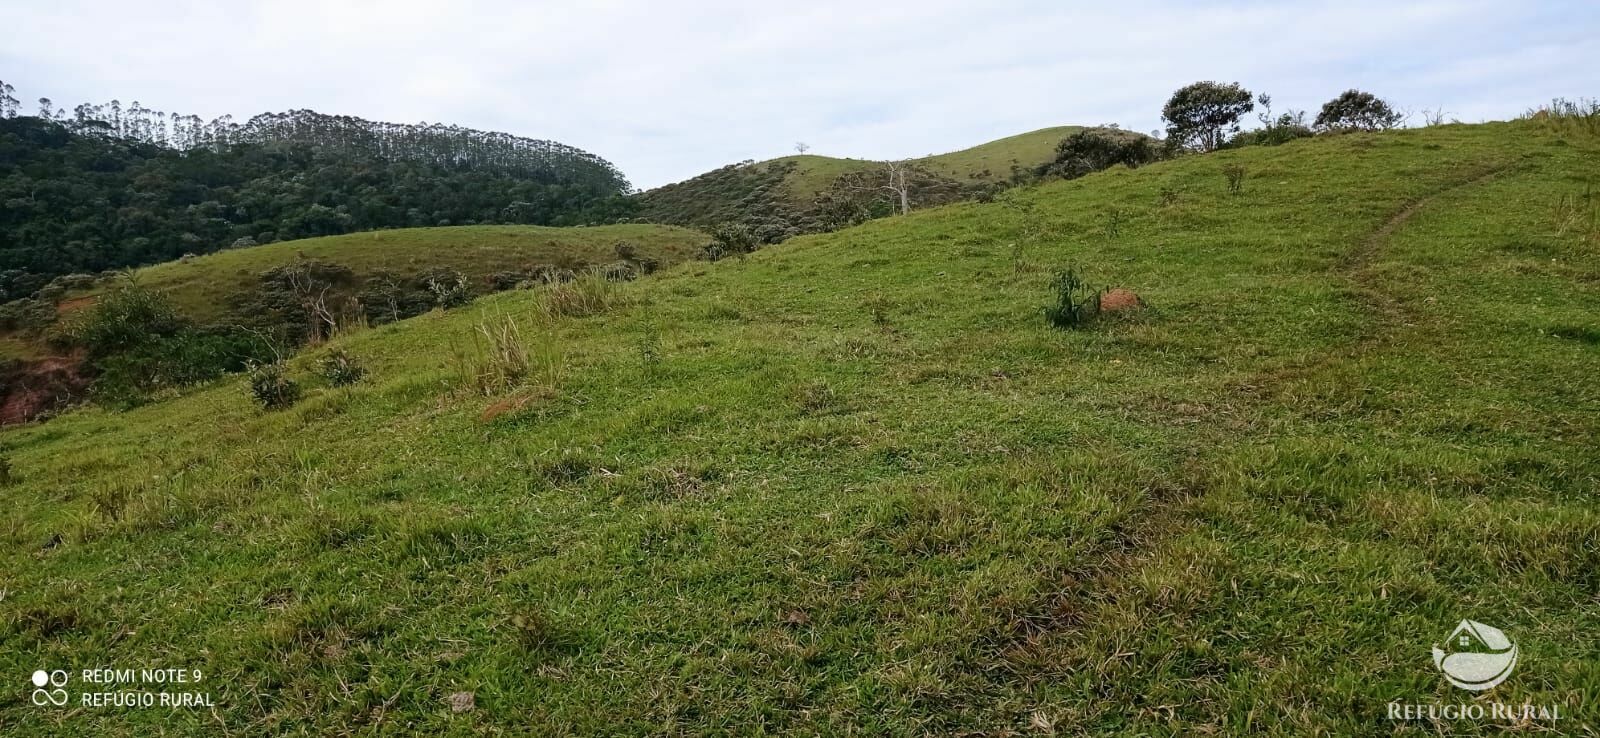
[{"x": 667, "y": 90}]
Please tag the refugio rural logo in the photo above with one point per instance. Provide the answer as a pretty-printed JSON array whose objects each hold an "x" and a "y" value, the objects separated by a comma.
[{"x": 1476, "y": 657}]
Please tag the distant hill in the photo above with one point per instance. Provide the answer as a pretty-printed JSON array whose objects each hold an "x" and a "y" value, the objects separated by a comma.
[
  {"x": 786, "y": 188},
  {"x": 108, "y": 187}
]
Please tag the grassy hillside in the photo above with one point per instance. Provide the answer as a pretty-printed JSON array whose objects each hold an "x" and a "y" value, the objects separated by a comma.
[
  {"x": 990, "y": 162},
  {"x": 732, "y": 193},
  {"x": 202, "y": 287},
  {"x": 856, "y": 484}
]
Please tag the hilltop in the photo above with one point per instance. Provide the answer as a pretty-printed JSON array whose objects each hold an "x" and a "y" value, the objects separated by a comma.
[
  {"x": 857, "y": 483},
  {"x": 789, "y": 185}
]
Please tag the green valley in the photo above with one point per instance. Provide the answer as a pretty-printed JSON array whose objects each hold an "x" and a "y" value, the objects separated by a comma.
[{"x": 856, "y": 483}]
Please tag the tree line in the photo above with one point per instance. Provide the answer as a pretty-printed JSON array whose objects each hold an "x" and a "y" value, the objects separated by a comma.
[{"x": 111, "y": 186}]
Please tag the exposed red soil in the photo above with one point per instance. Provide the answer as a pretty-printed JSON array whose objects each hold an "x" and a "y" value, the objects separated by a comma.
[
  {"x": 31, "y": 388},
  {"x": 1120, "y": 299}
]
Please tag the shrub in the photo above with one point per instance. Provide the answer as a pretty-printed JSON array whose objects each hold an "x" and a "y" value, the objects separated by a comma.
[
  {"x": 1277, "y": 134},
  {"x": 1580, "y": 116},
  {"x": 712, "y": 252},
  {"x": 271, "y": 386},
  {"x": 135, "y": 344},
  {"x": 1076, "y": 302},
  {"x": 629, "y": 254},
  {"x": 500, "y": 281},
  {"x": 1092, "y": 150},
  {"x": 448, "y": 287},
  {"x": 188, "y": 357},
  {"x": 1235, "y": 176},
  {"x": 28, "y": 315},
  {"x": 1201, "y": 116},
  {"x": 124, "y": 318},
  {"x": 735, "y": 238},
  {"x": 1355, "y": 110},
  {"x": 387, "y": 298},
  {"x": 619, "y": 271},
  {"x": 341, "y": 369},
  {"x": 76, "y": 281},
  {"x": 1273, "y": 131}
]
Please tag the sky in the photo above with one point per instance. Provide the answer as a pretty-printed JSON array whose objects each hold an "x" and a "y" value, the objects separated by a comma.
[{"x": 667, "y": 90}]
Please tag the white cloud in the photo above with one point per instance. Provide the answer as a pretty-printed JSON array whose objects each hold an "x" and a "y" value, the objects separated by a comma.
[{"x": 667, "y": 90}]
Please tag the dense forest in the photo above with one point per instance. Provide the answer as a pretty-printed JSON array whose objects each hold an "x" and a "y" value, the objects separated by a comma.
[{"x": 108, "y": 186}]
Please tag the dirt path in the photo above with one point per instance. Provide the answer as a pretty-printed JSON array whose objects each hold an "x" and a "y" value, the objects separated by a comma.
[
  {"x": 1355, "y": 265},
  {"x": 1385, "y": 312}
]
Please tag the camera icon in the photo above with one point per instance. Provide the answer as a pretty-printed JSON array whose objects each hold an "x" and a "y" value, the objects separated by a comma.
[{"x": 49, "y": 697}]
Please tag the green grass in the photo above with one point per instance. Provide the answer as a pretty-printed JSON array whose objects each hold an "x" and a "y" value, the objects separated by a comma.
[
  {"x": 856, "y": 484},
  {"x": 202, "y": 286},
  {"x": 992, "y": 162}
]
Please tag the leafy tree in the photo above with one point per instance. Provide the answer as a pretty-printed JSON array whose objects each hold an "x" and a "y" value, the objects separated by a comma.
[
  {"x": 1201, "y": 116},
  {"x": 1354, "y": 110}
]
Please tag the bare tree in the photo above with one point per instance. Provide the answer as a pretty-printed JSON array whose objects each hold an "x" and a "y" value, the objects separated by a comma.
[
  {"x": 890, "y": 186},
  {"x": 802, "y": 147},
  {"x": 314, "y": 300},
  {"x": 897, "y": 185}
]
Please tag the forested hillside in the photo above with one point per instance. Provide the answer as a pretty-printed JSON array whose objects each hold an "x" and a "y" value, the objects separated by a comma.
[{"x": 108, "y": 186}]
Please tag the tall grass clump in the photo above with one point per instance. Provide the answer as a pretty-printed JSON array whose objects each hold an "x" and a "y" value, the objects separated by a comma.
[
  {"x": 500, "y": 358},
  {"x": 1581, "y": 116},
  {"x": 589, "y": 294}
]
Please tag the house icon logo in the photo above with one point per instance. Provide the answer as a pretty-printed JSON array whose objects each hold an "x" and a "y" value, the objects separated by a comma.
[{"x": 1476, "y": 656}]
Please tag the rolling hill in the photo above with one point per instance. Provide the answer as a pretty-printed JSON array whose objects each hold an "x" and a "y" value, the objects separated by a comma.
[
  {"x": 203, "y": 287},
  {"x": 206, "y": 288},
  {"x": 748, "y": 191},
  {"x": 857, "y": 484},
  {"x": 989, "y": 162}
]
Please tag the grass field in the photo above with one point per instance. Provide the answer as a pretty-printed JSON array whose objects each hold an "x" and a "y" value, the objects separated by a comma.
[
  {"x": 202, "y": 287},
  {"x": 855, "y": 484}
]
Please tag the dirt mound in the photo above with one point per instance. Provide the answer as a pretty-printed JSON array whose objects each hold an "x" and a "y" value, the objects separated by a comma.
[
  {"x": 1118, "y": 300},
  {"x": 31, "y": 388}
]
